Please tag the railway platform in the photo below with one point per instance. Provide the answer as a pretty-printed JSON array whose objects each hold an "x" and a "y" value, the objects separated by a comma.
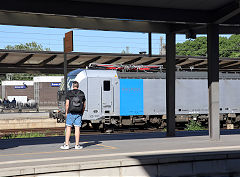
[
  {"x": 127, "y": 154},
  {"x": 27, "y": 120}
]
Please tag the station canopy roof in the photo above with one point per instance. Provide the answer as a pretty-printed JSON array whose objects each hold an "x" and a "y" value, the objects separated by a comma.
[
  {"x": 52, "y": 62},
  {"x": 156, "y": 16}
]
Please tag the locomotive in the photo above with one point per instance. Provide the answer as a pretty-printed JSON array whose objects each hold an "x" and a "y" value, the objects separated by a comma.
[{"x": 136, "y": 96}]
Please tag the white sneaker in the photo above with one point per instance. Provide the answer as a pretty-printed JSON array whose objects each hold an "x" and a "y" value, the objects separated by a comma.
[
  {"x": 64, "y": 146},
  {"x": 78, "y": 147}
]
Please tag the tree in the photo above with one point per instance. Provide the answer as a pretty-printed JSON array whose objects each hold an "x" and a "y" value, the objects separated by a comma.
[
  {"x": 33, "y": 46},
  {"x": 23, "y": 76},
  {"x": 234, "y": 44},
  {"x": 197, "y": 47},
  {"x": 228, "y": 47}
]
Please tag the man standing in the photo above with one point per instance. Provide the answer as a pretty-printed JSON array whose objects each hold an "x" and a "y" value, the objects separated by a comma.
[{"x": 75, "y": 106}]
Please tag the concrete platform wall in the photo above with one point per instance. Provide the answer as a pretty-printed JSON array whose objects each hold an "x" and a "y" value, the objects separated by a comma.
[
  {"x": 29, "y": 123},
  {"x": 213, "y": 168},
  {"x": 181, "y": 165}
]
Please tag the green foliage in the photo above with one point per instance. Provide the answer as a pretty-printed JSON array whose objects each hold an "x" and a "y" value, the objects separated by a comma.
[
  {"x": 164, "y": 130},
  {"x": 197, "y": 47},
  {"x": 33, "y": 46},
  {"x": 193, "y": 126},
  {"x": 228, "y": 47},
  {"x": 235, "y": 45}
]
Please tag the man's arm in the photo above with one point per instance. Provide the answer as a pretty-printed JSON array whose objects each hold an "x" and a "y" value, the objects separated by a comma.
[
  {"x": 66, "y": 107},
  {"x": 84, "y": 105}
]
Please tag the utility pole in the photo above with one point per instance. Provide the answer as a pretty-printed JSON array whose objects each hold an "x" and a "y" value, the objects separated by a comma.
[
  {"x": 127, "y": 50},
  {"x": 161, "y": 45},
  {"x": 149, "y": 44}
]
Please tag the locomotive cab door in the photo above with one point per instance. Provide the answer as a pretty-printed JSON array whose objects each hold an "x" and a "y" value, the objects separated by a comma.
[
  {"x": 94, "y": 98},
  {"x": 107, "y": 96}
]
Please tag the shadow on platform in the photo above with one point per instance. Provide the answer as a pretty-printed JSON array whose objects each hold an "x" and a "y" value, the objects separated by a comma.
[
  {"x": 11, "y": 143},
  {"x": 150, "y": 135}
]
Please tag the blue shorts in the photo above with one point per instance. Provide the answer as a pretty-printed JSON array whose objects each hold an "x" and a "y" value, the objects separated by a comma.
[{"x": 74, "y": 119}]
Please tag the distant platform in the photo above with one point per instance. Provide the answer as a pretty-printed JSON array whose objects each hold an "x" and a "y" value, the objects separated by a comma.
[{"x": 129, "y": 154}]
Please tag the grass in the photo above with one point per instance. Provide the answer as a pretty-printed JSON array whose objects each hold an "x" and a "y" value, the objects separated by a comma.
[
  {"x": 23, "y": 135},
  {"x": 45, "y": 133}
]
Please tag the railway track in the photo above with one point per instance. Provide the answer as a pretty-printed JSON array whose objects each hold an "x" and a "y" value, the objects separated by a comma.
[
  {"x": 44, "y": 131},
  {"x": 60, "y": 131},
  {"x": 48, "y": 132}
]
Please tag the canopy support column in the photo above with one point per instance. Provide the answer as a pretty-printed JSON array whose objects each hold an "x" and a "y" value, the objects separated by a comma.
[
  {"x": 213, "y": 81},
  {"x": 170, "y": 82}
]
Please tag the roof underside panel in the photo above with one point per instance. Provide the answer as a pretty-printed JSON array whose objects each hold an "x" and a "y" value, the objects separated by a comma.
[
  {"x": 174, "y": 4},
  {"x": 122, "y": 15}
]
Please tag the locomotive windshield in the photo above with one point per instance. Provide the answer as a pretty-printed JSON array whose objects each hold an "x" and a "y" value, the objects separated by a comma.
[
  {"x": 70, "y": 80},
  {"x": 71, "y": 77}
]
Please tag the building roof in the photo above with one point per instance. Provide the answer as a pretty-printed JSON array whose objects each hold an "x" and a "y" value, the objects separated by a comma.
[
  {"x": 18, "y": 82},
  {"x": 48, "y": 79}
]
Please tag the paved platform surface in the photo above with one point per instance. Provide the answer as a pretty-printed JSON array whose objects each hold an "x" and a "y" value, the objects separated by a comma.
[{"x": 36, "y": 152}]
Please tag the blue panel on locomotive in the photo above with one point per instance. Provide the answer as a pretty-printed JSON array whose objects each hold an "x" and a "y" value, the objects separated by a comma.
[{"x": 131, "y": 97}]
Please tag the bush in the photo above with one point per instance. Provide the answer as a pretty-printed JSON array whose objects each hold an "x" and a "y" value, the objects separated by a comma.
[{"x": 193, "y": 126}]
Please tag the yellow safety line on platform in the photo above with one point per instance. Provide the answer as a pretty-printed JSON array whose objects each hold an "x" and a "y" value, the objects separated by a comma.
[
  {"x": 110, "y": 147},
  {"x": 159, "y": 152},
  {"x": 69, "y": 150}
]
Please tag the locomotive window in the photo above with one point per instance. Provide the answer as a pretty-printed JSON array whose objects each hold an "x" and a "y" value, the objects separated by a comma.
[{"x": 106, "y": 85}]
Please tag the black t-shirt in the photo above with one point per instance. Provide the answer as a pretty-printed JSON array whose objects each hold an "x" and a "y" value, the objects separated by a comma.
[{"x": 72, "y": 93}]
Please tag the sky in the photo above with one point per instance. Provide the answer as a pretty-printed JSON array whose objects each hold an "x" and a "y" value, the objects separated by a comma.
[{"x": 84, "y": 40}]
